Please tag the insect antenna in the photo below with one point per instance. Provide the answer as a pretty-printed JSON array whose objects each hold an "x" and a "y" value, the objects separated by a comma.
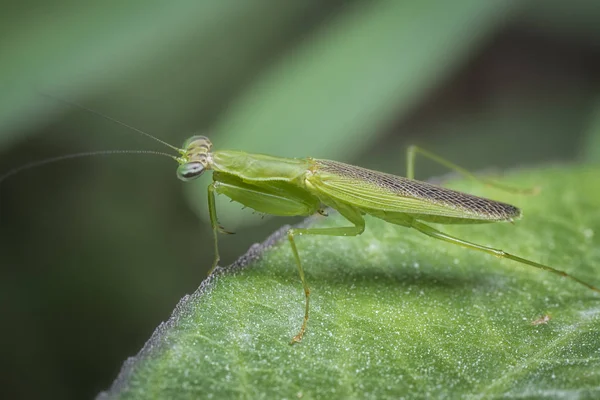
[
  {"x": 111, "y": 119},
  {"x": 51, "y": 160},
  {"x": 40, "y": 163},
  {"x": 64, "y": 157}
]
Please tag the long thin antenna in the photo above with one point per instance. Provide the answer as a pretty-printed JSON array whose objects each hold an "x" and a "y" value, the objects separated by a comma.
[
  {"x": 35, "y": 164},
  {"x": 116, "y": 121}
]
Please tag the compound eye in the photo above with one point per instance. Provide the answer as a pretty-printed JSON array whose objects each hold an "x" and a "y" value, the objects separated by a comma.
[{"x": 190, "y": 171}]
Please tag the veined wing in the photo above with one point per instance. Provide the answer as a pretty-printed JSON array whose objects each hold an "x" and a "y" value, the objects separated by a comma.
[{"x": 377, "y": 190}]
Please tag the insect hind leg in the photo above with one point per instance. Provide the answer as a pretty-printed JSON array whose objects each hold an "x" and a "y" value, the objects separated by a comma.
[
  {"x": 434, "y": 233},
  {"x": 351, "y": 215},
  {"x": 412, "y": 151}
]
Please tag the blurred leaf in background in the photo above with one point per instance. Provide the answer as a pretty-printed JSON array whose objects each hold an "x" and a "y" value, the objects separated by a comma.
[
  {"x": 591, "y": 149},
  {"x": 95, "y": 253}
]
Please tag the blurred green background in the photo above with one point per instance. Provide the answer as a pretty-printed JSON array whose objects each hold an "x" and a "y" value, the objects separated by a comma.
[{"x": 96, "y": 252}]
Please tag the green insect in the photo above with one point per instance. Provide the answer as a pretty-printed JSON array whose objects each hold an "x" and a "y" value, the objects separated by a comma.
[{"x": 303, "y": 186}]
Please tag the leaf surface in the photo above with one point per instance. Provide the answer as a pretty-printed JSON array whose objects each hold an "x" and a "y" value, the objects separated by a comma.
[{"x": 395, "y": 313}]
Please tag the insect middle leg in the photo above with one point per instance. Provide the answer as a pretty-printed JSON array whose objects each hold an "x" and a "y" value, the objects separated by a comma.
[
  {"x": 434, "y": 233},
  {"x": 412, "y": 151},
  {"x": 352, "y": 215}
]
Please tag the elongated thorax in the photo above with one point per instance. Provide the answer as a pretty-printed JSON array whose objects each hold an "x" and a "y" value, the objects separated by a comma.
[{"x": 258, "y": 167}]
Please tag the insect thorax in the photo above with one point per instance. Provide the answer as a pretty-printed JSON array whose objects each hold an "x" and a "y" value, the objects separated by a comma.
[{"x": 259, "y": 167}]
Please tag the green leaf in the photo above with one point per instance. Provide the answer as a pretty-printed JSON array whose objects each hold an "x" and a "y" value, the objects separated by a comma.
[{"x": 395, "y": 313}]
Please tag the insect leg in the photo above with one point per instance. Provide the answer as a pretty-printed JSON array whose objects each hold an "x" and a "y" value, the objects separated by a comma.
[
  {"x": 351, "y": 215},
  {"x": 212, "y": 211},
  {"x": 214, "y": 223},
  {"x": 412, "y": 151},
  {"x": 426, "y": 229}
]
